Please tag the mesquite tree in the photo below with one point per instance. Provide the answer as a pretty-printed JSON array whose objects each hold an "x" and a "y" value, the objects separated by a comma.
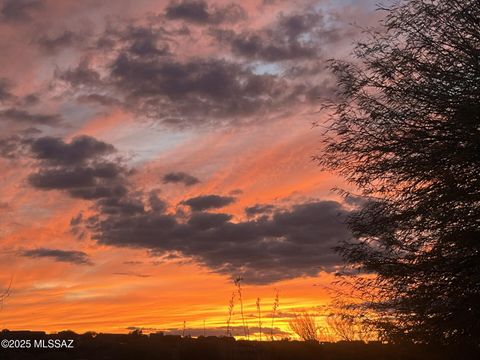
[{"x": 405, "y": 130}]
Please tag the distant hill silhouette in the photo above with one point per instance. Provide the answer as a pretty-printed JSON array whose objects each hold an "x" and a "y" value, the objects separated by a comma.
[{"x": 138, "y": 346}]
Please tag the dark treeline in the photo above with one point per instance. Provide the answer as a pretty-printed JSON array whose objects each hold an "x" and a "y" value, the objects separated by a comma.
[{"x": 158, "y": 346}]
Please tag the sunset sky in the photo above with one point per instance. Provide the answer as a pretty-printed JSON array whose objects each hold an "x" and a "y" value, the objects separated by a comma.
[{"x": 152, "y": 151}]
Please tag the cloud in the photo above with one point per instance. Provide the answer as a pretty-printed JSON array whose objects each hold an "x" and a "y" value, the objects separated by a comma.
[
  {"x": 199, "y": 12},
  {"x": 297, "y": 36},
  {"x": 281, "y": 243},
  {"x": 83, "y": 167},
  {"x": 69, "y": 256},
  {"x": 13, "y": 146},
  {"x": 22, "y": 116},
  {"x": 75, "y": 177},
  {"x": 293, "y": 36},
  {"x": 204, "y": 221},
  {"x": 144, "y": 66},
  {"x": 206, "y": 202},
  {"x": 82, "y": 75},
  {"x": 99, "y": 99},
  {"x": 82, "y": 148},
  {"x": 19, "y": 10},
  {"x": 17, "y": 146},
  {"x": 290, "y": 243},
  {"x": 53, "y": 43},
  {"x": 196, "y": 91},
  {"x": 180, "y": 177},
  {"x": 5, "y": 87},
  {"x": 259, "y": 209}
]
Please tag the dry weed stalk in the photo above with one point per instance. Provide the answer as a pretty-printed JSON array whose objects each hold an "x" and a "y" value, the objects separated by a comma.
[
  {"x": 259, "y": 317},
  {"x": 237, "y": 282},
  {"x": 231, "y": 305},
  {"x": 276, "y": 304}
]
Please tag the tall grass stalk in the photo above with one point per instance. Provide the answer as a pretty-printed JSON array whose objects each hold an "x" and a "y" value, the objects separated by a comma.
[
  {"x": 239, "y": 291},
  {"x": 276, "y": 304},
  {"x": 231, "y": 305},
  {"x": 259, "y": 317}
]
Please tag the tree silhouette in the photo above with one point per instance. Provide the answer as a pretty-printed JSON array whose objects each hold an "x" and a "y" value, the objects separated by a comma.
[{"x": 406, "y": 130}]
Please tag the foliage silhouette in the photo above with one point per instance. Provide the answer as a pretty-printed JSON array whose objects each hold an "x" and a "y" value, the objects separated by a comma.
[{"x": 406, "y": 130}]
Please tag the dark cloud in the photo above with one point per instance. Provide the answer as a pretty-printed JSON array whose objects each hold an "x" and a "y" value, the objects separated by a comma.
[
  {"x": 30, "y": 99},
  {"x": 76, "y": 220},
  {"x": 17, "y": 146},
  {"x": 142, "y": 40},
  {"x": 138, "y": 66},
  {"x": 14, "y": 146},
  {"x": 80, "y": 76},
  {"x": 61, "y": 179},
  {"x": 195, "y": 92},
  {"x": 259, "y": 209},
  {"x": 91, "y": 182},
  {"x": 265, "y": 46},
  {"x": 83, "y": 167},
  {"x": 79, "y": 150},
  {"x": 99, "y": 99},
  {"x": 294, "y": 25},
  {"x": 180, "y": 177},
  {"x": 81, "y": 180},
  {"x": 69, "y": 256},
  {"x": 52, "y": 43},
  {"x": 206, "y": 221},
  {"x": 21, "y": 116},
  {"x": 5, "y": 87},
  {"x": 198, "y": 11},
  {"x": 206, "y": 202},
  {"x": 156, "y": 203},
  {"x": 124, "y": 206},
  {"x": 288, "y": 244},
  {"x": 295, "y": 36},
  {"x": 279, "y": 244},
  {"x": 19, "y": 10},
  {"x": 146, "y": 42}
]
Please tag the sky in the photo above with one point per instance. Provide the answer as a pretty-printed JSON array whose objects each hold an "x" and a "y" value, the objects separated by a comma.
[{"x": 154, "y": 151}]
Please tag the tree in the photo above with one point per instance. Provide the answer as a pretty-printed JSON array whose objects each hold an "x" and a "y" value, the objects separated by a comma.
[{"x": 405, "y": 129}]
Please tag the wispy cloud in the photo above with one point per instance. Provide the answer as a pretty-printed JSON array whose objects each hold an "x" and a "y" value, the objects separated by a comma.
[{"x": 69, "y": 256}]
